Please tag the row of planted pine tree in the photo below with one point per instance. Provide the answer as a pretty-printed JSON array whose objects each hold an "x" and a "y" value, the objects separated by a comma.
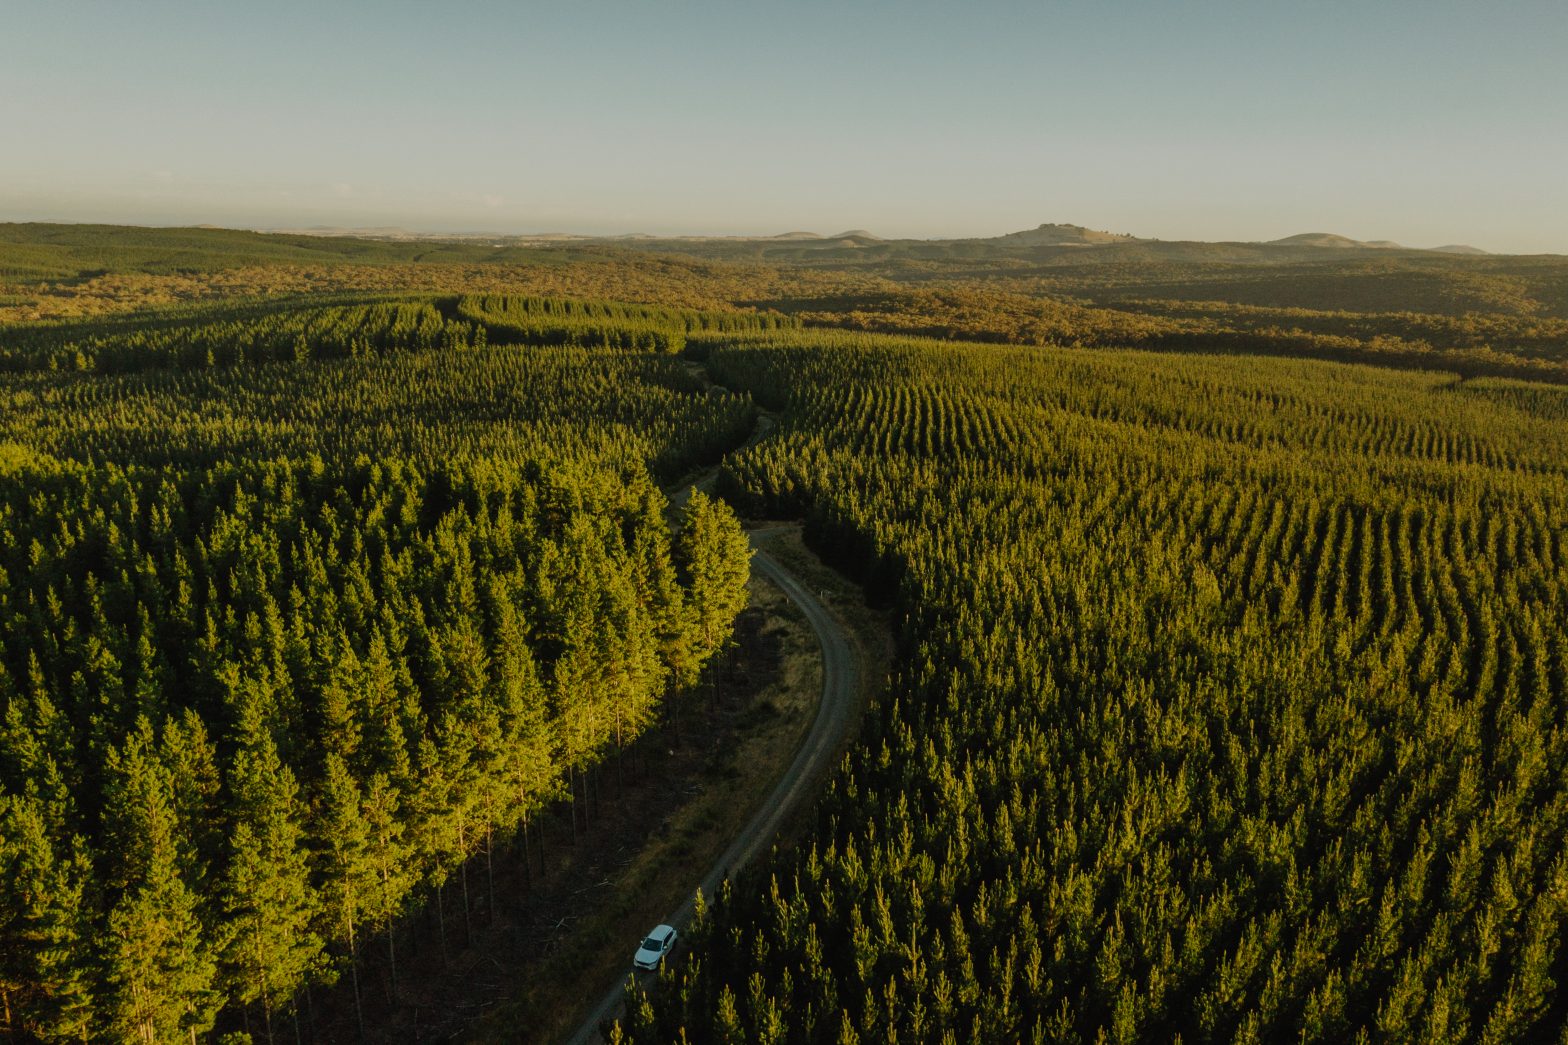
[
  {"x": 1230, "y": 704},
  {"x": 356, "y": 326}
]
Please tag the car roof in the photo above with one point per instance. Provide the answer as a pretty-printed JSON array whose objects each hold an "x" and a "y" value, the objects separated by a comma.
[{"x": 661, "y": 931}]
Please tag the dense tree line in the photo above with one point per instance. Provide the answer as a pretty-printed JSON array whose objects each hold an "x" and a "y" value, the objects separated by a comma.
[
  {"x": 1477, "y": 316},
  {"x": 567, "y": 404},
  {"x": 598, "y": 324},
  {"x": 1499, "y": 344},
  {"x": 212, "y": 338},
  {"x": 1230, "y": 704},
  {"x": 190, "y": 338},
  {"x": 286, "y": 648}
]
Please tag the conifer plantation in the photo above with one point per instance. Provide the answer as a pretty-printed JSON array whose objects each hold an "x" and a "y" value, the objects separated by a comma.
[
  {"x": 1230, "y": 703},
  {"x": 988, "y": 629},
  {"x": 303, "y": 621},
  {"x": 1228, "y": 696}
]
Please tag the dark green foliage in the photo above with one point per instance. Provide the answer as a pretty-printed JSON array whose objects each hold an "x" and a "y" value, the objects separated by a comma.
[
  {"x": 712, "y": 556},
  {"x": 158, "y": 962},
  {"x": 194, "y": 338},
  {"x": 227, "y": 336},
  {"x": 44, "y": 971},
  {"x": 259, "y": 692},
  {"x": 568, "y": 405},
  {"x": 1230, "y": 703},
  {"x": 546, "y": 321}
]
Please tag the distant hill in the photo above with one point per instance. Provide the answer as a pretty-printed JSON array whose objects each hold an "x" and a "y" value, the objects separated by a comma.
[
  {"x": 1329, "y": 239},
  {"x": 1061, "y": 236},
  {"x": 1336, "y": 242}
]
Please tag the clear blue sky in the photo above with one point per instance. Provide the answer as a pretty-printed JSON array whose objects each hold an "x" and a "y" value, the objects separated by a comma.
[{"x": 1424, "y": 122}]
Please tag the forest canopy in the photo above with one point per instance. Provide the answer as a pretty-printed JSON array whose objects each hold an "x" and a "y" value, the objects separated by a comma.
[
  {"x": 1229, "y": 685},
  {"x": 1229, "y": 705},
  {"x": 288, "y": 640}
]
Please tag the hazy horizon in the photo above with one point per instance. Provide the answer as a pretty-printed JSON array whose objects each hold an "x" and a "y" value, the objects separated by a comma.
[
  {"x": 1427, "y": 124},
  {"x": 371, "y": 230}
]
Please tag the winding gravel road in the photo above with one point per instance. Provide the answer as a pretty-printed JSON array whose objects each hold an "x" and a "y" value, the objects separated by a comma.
[{"x": 835, "y": 717}]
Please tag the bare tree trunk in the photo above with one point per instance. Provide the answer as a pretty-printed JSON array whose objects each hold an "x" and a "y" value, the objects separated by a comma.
[
  {"x": 462, "y": 877},
  {"x": 468, "y": 925},
  {"x": 582, "y": 782},
  {"x": 261, "y": 979},
  {"x": 490, "y": 869},
  {"x": 571, "y": 789},
  {"x": 392, "y": 958},
  {"x": 620, "y": 762},
  {"x": 441, "y": 920},
  {"x": 353, "y": 971},
  {"x": 528, "y": 871},
  {"x": 386, "y": 910},
  {"x": 359, "y": 1010}
]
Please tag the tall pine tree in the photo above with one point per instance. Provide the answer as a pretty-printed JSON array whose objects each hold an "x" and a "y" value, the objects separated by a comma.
[
  {"x": 158, "y": 967},
  {"x": 45, "y": 970},
  {"x": 268, "y": 902}
]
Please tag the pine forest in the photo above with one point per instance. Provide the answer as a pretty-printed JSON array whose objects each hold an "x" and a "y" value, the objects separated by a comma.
[{"x": 1225, "y": 696}]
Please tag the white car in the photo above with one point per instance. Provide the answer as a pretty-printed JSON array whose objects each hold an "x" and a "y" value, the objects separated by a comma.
[{"x": 658, "y": 944}]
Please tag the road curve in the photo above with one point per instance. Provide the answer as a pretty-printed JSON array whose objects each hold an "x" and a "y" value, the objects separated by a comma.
[{"x": 835, "y": 717}]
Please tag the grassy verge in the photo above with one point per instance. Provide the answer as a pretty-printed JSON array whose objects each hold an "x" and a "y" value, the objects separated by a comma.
[{"x": 870, "y": 628}]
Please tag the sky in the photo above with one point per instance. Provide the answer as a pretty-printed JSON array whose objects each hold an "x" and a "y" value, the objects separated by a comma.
[{"x": 1428, "y": 122}]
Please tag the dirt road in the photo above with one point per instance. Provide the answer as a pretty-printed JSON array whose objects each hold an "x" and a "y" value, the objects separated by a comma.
[{"x": 835, "y": 717}]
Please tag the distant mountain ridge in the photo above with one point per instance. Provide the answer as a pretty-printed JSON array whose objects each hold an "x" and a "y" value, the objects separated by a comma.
[
  {"x": 1337, "y": 242},
  {"x": 1063, "y": 235},
  {"x": 1047, "y": 235},
  {"x": 1330, "y": 239}
]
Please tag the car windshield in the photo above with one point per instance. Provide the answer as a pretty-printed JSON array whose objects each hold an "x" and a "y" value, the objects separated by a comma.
[{"x": 653, "y": 943}]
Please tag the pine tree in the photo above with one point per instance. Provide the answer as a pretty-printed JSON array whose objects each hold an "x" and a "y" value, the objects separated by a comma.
[
  {"x": 45, "y": 967},
  {"x": 384, "y": 727},
  {"x": 191, "y": 758},
  {"x": 389, "y": 860},
  {"x": 158, "y": 969},
  {"x": 347, "y": 872},
  {"x": 340, "y": 698},
  {"x": 267, "y": 900},
  {"x": 714, "y": 557},
  {"x": 659, "y": 588}
]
